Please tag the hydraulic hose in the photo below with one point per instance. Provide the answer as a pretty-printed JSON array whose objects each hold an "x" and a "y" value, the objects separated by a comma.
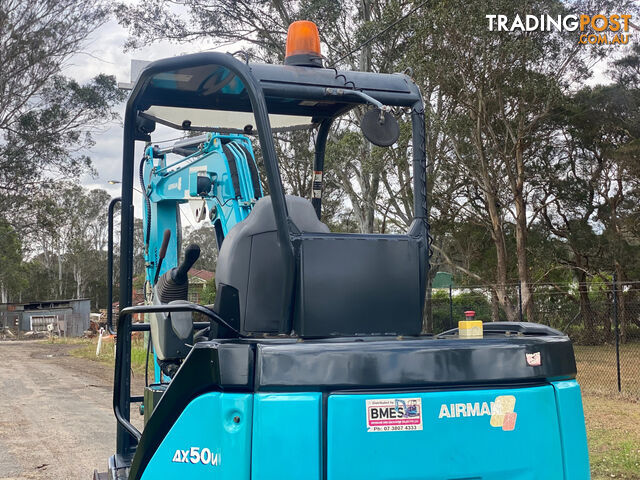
[{"x": 147, "y": 201}]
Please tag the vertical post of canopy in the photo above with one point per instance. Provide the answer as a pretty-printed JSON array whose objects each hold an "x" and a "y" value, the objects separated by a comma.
[
  {"x": 125, "y": 443},
  {"x": 318, "y": 165},
  {"x": 420, "y": 225},
  {"x": 276, "y": 190},
  {"x": 419, "y": 171}
]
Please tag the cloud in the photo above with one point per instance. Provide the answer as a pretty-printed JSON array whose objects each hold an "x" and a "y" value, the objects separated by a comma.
[{"x": 104, "y": 53}]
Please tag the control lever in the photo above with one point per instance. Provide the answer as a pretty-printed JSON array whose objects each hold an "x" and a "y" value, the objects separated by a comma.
[
  {"x": 172, "y": 333},
  {"x": 162, "y": 253},
  {"x": 191, "y": 255},
  {"x": 174, "y": 284}
]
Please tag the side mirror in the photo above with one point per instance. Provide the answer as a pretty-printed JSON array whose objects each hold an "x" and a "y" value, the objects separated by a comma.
[
  {"x": 144, "y": 127},
  {"x": 380, "y": 127}
]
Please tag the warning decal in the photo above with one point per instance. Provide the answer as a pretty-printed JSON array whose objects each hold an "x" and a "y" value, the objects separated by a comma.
[
  {"x": 394, "y": 414},
  {"x": 317, "y": 184}
]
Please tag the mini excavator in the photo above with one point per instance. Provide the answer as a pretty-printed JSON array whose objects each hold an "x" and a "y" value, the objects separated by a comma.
[{"x": 311, "y": 364}]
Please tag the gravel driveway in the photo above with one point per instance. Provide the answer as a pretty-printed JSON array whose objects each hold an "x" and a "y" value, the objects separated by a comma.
[{"x": 56, "y": 420}]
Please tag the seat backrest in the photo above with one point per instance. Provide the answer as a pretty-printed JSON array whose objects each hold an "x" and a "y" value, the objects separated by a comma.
[
  {"x": 251, "y": 277},
  {"x": 351, "y": 284},
  {"x": 344, "y": 284}
]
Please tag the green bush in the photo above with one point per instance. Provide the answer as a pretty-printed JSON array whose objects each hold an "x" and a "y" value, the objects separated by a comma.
[{"x": 461, "y": 301}]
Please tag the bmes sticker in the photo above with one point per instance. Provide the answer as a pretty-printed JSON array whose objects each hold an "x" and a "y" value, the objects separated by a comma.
[
  {"x": 501, "y": 410},
  {"x": 394, "y": 414},
  {"x": 195, "y": 455}
]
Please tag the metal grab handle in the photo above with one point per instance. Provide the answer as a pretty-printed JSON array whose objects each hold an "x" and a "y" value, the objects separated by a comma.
[
  {"x": 179, "y": 307},
  {"x": 112, "y": 206},
  {"x": 339, "y": 92},
  {"x": 125, "y": 328}
]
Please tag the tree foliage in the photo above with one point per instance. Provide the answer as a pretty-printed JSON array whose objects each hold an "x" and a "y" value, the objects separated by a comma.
[
  {"x": 68, "y": 253},
  {"x": 46, "y": 119},
  {"x": 532, "y": 175},
  {"x": 11, "y": 267}
]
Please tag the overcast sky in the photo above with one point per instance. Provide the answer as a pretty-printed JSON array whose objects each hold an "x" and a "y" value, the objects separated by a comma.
[{"x": 104, "y": 53}]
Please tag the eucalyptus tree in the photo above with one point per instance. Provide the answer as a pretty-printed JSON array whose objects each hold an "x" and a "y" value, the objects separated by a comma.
[
  {"x": 502, "y": 88},
  {"x": 46, "y": 119}
]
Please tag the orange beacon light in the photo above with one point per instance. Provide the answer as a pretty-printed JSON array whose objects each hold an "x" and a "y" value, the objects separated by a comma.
[{"x": 303, "y": 45}]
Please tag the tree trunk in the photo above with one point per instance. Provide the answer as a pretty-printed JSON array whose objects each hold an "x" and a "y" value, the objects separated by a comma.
[
  {"x": 606, "y": 322},
  {"x": 59, "y": 275},
  {"x": 369, "y": 182},
  {"x": 365, "y": 53},
  {"x": 521, "y": 252},
  {"x": 585, "y": 309},
  {"x": 497, "y": 235},
  {"x": 79, "y": 293},
  {"x": 427, "y": 315},
  {"x": 495, "y": 307},
  {"x": 485, "y": 182},
  {"x": 521, "y": 235}
]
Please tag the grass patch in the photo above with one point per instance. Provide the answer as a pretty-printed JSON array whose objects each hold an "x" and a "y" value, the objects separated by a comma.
[
  {"x": 86, "y": 348},
  {"x": 597, "y": 369},
  {"x": 613, "y": 420},
  {"x": 613, "y": 432}
]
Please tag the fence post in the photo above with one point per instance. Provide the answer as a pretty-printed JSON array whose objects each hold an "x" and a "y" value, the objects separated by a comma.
[
  {"x": 450, "y": 307},
  {"x": 617, "y": 327},
  {"x": 520, "y": 300}
]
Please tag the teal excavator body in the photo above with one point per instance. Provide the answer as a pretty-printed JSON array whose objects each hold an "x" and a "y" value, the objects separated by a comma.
[{"x": 312, "y": 363}]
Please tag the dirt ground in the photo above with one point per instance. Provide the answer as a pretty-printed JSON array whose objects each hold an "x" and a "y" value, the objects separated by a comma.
[{"x": 56, "y": 420}]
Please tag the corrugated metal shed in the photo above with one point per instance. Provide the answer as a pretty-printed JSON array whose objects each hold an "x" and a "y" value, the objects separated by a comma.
[{"x": 73, "y": 312}]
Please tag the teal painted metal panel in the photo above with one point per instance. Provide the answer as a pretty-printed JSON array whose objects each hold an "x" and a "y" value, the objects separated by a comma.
[
  {"x": 492, "y": 434},
  {"x": 287, "y": 437},
  {"x": 572, "y": 430},
  {"x": 210, "y": 439},
  {"x": 516, "y": 433}
]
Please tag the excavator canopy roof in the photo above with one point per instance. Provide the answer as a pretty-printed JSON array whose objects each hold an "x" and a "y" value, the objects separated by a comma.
[{"x": 207, "y": 92}]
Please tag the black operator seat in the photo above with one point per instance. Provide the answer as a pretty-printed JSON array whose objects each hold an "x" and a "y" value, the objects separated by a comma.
[
  {"x": 344, "y": 284},
  {"x": 250, "y": 271}
]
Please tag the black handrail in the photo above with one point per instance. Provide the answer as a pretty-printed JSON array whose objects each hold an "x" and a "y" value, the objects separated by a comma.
[
  {"x": 181, "y": 307},
  {"x": 122, "y": 382},
  {"x": 112, "y": 206}
]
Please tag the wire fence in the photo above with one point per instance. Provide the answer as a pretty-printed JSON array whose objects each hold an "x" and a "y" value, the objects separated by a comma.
[{"x": 602, "y": 319}]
